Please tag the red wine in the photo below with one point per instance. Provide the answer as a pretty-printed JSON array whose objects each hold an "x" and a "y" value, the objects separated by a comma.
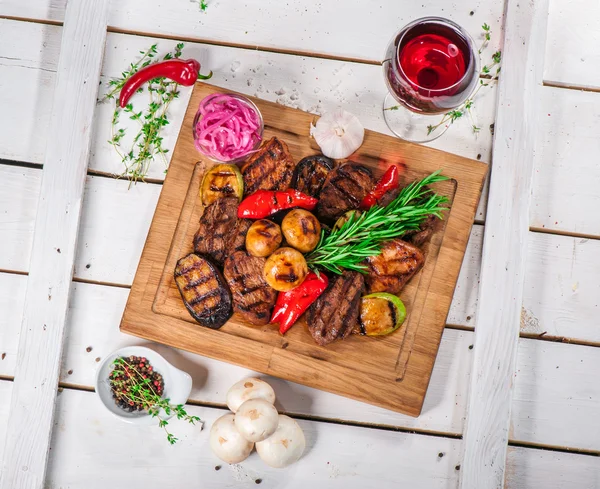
[
  {"x": 432, "y": 61},
  {"x": 431, "y": 66}
]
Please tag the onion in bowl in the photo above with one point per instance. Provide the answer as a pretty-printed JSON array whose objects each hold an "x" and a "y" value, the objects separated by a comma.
[{"x": 227, "y": 127}]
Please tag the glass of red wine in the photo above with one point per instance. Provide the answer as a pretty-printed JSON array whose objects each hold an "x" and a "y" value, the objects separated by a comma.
[{"x": 431, "y": 67}]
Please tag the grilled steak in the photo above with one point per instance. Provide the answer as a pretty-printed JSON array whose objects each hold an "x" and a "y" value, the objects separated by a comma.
[
  {"x": 203, "y": 290},
  {"x": 311, "y": 173},
  {"x": 270, "y": 168},
  {"x": 424, "y": 233},
  {"x": 253, "y": 298},
  {"x": 343, "y": 190},
  {"x": 335, "y": 313},
  {"x": 393, "y": 267},
  {"x": 221, "y": 232}
]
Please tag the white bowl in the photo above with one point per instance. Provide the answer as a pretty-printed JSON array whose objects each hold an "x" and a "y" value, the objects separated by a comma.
[{"x": 178, "y": 384}]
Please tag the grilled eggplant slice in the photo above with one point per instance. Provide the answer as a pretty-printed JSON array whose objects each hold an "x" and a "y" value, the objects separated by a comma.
[
  {"x": 203, "y": 290},
  {"x": 311, "y": 173},
  {"x": 221, "y": 181}
]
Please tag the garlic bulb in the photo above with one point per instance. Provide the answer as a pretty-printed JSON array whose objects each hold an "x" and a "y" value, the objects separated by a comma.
[{"x": 338, "y": 133}]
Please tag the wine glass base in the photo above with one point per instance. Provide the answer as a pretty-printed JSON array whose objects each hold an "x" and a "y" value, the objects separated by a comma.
[{"x": 411, "y": 126}]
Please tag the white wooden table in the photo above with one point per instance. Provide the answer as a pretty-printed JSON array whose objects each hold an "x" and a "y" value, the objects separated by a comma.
[{"x": 314, "y": 56}]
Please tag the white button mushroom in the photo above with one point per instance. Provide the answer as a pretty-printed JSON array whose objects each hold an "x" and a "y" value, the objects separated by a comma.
[
  {"x": 247, "y": 389},
  {"x": 285, "y": 446},
  {"x": 227, "y": 443},
  {"x": 256, "y": 419}
]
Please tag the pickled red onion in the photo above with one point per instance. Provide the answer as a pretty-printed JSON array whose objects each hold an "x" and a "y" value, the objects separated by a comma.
[{"x": 226, "y": 127}]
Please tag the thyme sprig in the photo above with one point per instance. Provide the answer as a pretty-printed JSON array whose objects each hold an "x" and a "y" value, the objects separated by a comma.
[
  {"x": 362, "y": 235},
  {"x": 141, "y": 391},
  {"x": 147, "y": 144}
]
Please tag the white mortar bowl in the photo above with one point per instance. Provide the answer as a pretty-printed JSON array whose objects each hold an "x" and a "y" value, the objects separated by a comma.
[{"x": 178, "y": 384}]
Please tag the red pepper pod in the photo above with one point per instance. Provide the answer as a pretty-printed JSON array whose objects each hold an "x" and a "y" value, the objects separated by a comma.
[
  {"x": 264, "y": 203},
  {"x": 292, "y": 304},
  {"x": 184, "y": 72},
  {"x": 390, "y": 180}
]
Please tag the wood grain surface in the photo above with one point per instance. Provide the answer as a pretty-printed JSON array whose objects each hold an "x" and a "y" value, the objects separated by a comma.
[{"x": 347, "y": 368}]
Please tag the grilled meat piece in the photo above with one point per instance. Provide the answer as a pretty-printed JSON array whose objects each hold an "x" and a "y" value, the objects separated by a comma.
[
  {"x": 270, "y": 168},
  {"x": 253, "y": 298},
  {"x": 343, "y": 190},
  {"x": 237, "y": 239},
  {"x": 221, "y": 232},
  {"x": 393, "y": 267},
  {"x": 335, "y": 313},
  {"x": 311, "y": 173},
  {"x": 424, "y": 233},
  {"x": 203, "y": 290}
]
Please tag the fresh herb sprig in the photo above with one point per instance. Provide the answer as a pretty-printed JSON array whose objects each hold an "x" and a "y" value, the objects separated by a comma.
[
  {"x": 362, "y": 235},
  {"x": 139, "y": 390},
  {"x": 147, "y": 144}
]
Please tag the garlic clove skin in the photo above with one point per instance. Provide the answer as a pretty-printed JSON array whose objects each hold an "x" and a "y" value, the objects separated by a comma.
[{"x": 338, "y": 133}]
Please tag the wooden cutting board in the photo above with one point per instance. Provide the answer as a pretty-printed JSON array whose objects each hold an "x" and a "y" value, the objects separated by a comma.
[{"x": 391, "y": 371}]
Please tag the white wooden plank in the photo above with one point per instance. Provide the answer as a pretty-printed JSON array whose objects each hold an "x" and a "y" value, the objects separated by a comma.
[
  {"x": 53, "y": 251},
  {"x": 567, "y": 173},
  {"x": 94, "y": 318},
  {"x": 91, "y": 449},
  {"x": 572, "y": 56},
  {"x": 504, "y": 248},
  {"x": 19, "y": 194},
  {"x": 28, "y": 62},
  {"x": 12, "y": 300},
  {"x": 5, "y": 396},
  {"x": 528, "y": 468},
  {"x": 562, "y": 290},
  {"x": 356, "y": 30},
  {"x": 563, "y": 380}
]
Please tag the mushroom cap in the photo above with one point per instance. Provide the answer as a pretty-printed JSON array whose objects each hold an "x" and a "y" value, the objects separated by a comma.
[
  {"x": 285, "y": 446},
  {"x": 256, "y": 419},
  {"x": 227, "y": 443},
  {"x": 247, "y": 389}
]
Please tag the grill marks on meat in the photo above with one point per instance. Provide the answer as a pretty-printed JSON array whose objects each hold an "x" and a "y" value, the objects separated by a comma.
[
  {"x": 393, "y": 267},
  {"x": 253, "y": 298},
  {"x": 270, "y": 168},
  {"x": 311, "y": 173},
  {"x": 203, "y": 290},
  {"x": 220, "y": 232},
  {"x": 335, "y": 313},
  {"x": 343, "y": 190}
]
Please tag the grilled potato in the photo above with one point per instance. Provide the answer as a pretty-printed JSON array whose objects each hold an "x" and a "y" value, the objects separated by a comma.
[
  {"x": 302, "y": 230},
  {"x": 263, "y": 238}
]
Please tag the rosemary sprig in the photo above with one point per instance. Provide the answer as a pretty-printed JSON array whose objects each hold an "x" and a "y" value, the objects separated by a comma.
[
  {"x": 141, "y": 391},
  {"x": 362, "y": 235},
  {"x": 147, "y": 144}
]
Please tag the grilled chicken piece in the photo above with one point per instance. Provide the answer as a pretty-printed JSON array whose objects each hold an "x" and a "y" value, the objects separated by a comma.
[
  {"x": 335, "y": 313},
  {"x": 203, "y": 290},
  {"x": 253, "y": 298},
  {"x": 393, "y": 267},
  {"x": 270, "y": 168},
  {"x": 311, "y": 173},
  {"x": 343, "y": 190},
  {"x": 424, "y": 233},
  {"x": 221, "y": 232}
]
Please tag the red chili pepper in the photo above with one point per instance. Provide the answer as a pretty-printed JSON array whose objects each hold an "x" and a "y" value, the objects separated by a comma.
[
  {"x": 292, "y": 304},
  {"x": 184, "y": 72},
  {"x": 263, "y": 203},
  {"x": 389, "y": 181}
]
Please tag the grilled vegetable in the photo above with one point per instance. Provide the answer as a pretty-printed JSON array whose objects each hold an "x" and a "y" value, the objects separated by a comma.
[
  {"x": 285, "y": 269},
  {"x": 381, "y": 313},
  {"x": 264, "y": 203},
  {"x": 311, "y": 173},
  {"x": 203, "y": 290},
  {"x": 344, "y": 219},
  {"x": 292, "y": 304},
  {"x": 263, "y": 238},
  {"x": 302, "y": 230},
  {"x": 221, "y": 181},
  {"x": 389, "y": 181}
]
